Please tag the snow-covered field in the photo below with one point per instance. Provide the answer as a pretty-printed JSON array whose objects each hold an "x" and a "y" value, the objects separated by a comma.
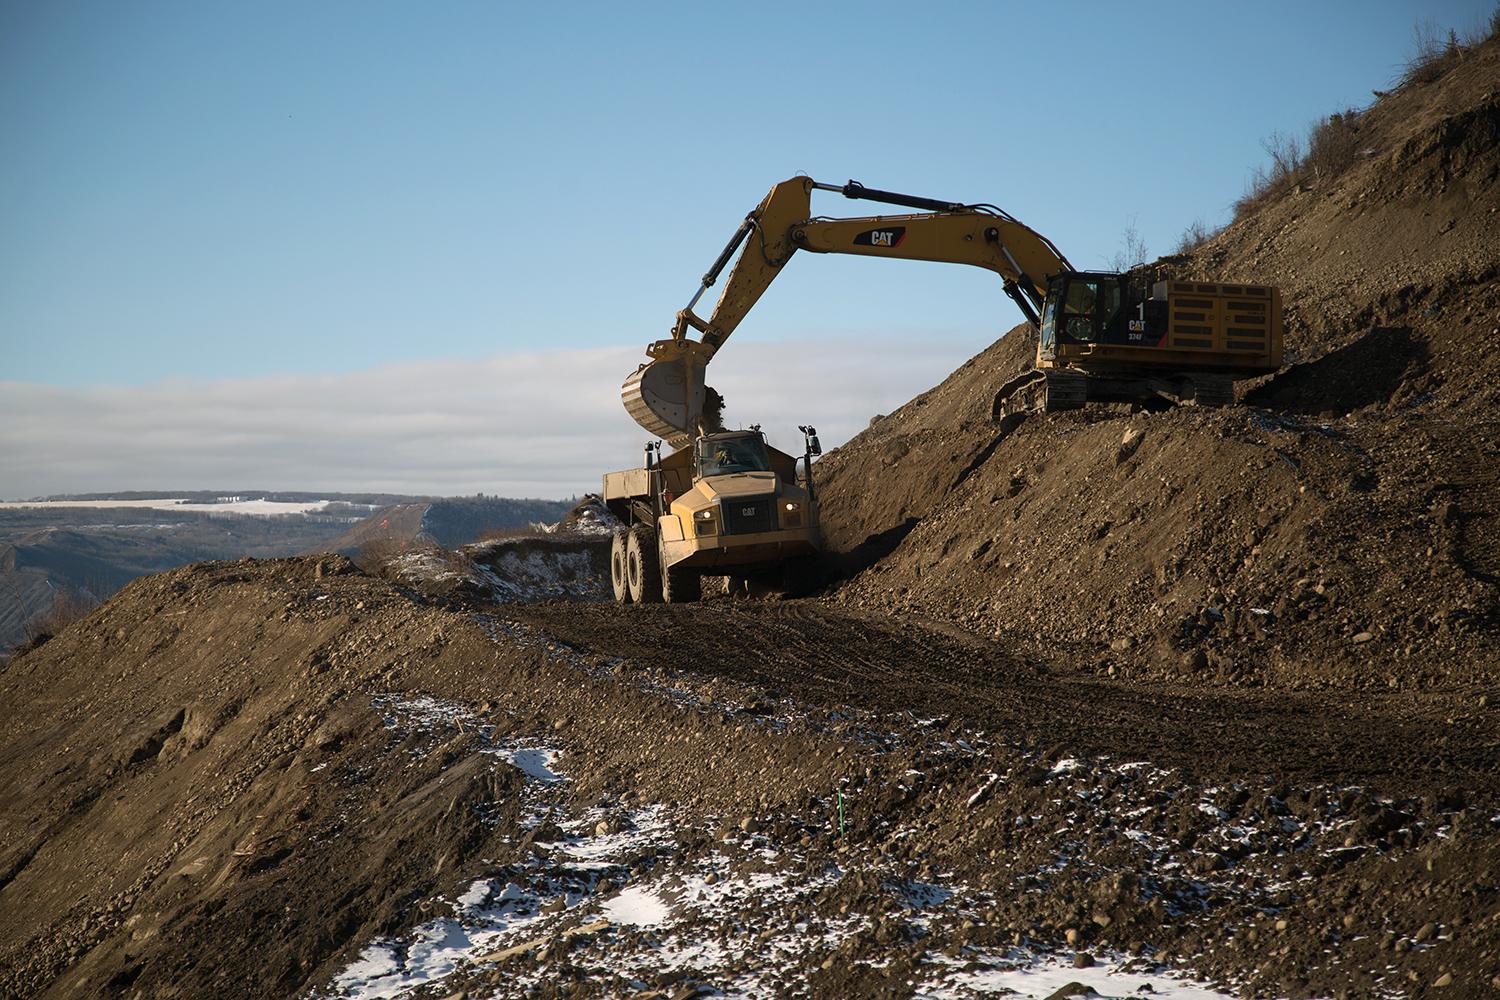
[{"x": 257, "y": 508}]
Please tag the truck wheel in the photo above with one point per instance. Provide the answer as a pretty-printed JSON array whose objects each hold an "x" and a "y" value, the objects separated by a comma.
[
  {"x": 681, "y": 586},
  {"x": 619, "y": 578},
  {"x": 641, "y": 566}
]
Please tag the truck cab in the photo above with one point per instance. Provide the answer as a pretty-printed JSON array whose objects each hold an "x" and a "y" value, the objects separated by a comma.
[{"x": 725, "y": 504}]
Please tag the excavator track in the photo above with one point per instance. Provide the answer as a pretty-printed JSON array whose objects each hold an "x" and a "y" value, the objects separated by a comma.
[
  {"x": 1038, "y": 391},
  {"x": 1212, "y": 390}
]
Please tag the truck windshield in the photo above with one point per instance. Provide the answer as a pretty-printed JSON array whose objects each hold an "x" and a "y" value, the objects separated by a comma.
[{"x": 746, "y": 454}]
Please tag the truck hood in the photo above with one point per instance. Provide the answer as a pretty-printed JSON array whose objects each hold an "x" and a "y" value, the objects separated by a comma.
[{"x": 739, "y": 484}]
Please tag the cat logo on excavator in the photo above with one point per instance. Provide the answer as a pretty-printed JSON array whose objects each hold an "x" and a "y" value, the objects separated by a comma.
[{"x": 881, "y": 237}]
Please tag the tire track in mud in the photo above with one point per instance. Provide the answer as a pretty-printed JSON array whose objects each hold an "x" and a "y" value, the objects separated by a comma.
[{"x": 836, "y": 659}]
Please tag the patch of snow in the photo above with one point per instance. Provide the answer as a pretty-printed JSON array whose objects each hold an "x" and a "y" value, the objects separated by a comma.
[
  {"x": 636, "y": 906},
  {"x": 1034, "y": 980},
  {"x": 534, "y": 762}
]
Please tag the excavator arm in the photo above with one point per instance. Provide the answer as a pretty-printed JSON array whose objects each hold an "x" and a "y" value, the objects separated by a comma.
[{"x": 666, "y": 395}]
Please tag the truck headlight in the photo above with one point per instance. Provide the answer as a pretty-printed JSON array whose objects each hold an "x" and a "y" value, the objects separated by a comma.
[
  {"x": 706, "y": 514},
  {"x": 791, "y": 505}
]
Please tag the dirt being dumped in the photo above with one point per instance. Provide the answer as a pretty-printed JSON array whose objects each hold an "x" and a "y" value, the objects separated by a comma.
[{"x": 1193, "y": 704}]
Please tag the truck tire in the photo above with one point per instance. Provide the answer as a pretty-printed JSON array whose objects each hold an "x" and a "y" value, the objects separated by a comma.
[
  {"x": 642, "y": 568},
  {"x": 681, "y": 586},
  {"x": 619, "y": 579}
]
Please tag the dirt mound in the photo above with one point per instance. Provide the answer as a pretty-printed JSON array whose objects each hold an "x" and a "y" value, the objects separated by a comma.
[
  {"x": 1242, "y": 545},
  {"x": 55, "y": 558},
  {"x": 370, "y": 795},
  {"x": 1342, "y": 527}
]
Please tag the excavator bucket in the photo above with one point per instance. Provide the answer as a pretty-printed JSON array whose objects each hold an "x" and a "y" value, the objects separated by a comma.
[{"x": 666, "y": 398}]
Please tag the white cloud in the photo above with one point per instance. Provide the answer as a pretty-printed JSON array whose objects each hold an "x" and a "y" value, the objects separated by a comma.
[{"x": 533, "y": 424}]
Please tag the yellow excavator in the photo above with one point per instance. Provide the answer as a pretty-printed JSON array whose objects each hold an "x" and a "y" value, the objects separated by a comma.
[{"x": 1102, "y": 336}]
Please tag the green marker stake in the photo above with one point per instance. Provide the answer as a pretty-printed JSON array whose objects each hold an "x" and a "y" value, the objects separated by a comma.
[{"x": 841, "y": 813}]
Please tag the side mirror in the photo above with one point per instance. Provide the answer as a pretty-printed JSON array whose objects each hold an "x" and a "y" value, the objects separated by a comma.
[{"x": 810, "y": 438}]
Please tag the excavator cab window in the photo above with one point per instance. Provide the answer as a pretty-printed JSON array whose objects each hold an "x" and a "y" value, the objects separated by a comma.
[
  {"x": 723, "y": 456},
  {"x": 1093, "y": 309},
  {"x": 1080, "y": 308},
  {"x": 1108, "y": 307},
  {"x": 1049, "y": 317}
]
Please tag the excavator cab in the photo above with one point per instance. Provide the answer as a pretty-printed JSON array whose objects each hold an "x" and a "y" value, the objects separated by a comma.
[{"x": 1098, "y": 307}]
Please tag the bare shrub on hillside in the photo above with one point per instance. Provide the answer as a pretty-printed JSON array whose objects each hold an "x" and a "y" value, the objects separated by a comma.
[
  {"x": 1195, "y": 235},
  {"x": 68, "y": 606},
  {"x": 1433, "y": 54},
  {"x": 1276, "y": 177},
  {"x": 1285, "y": 151},
  {"x": 1332, "y": 145},
  {"x": 1132, "y": 249},
  {"x": 1331, "y": 148}
]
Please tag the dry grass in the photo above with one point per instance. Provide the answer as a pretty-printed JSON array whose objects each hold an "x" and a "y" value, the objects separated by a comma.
[
  {"x": 67, "y": 608},
  {"x": 1332, "y": 143}
]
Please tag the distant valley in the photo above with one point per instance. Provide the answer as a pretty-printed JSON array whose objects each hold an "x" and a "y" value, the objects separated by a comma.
[{"x": 77, "y": 550}]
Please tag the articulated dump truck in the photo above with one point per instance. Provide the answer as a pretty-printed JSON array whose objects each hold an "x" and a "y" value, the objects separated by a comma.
[{"x": 722, "y": 504}]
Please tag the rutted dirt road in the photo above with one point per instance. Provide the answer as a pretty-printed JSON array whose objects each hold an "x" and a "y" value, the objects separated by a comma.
[{"x": 1407, "y": 742}]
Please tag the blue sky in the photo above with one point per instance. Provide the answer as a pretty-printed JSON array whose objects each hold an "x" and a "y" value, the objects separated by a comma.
[{"x": 201, "y": 191}]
